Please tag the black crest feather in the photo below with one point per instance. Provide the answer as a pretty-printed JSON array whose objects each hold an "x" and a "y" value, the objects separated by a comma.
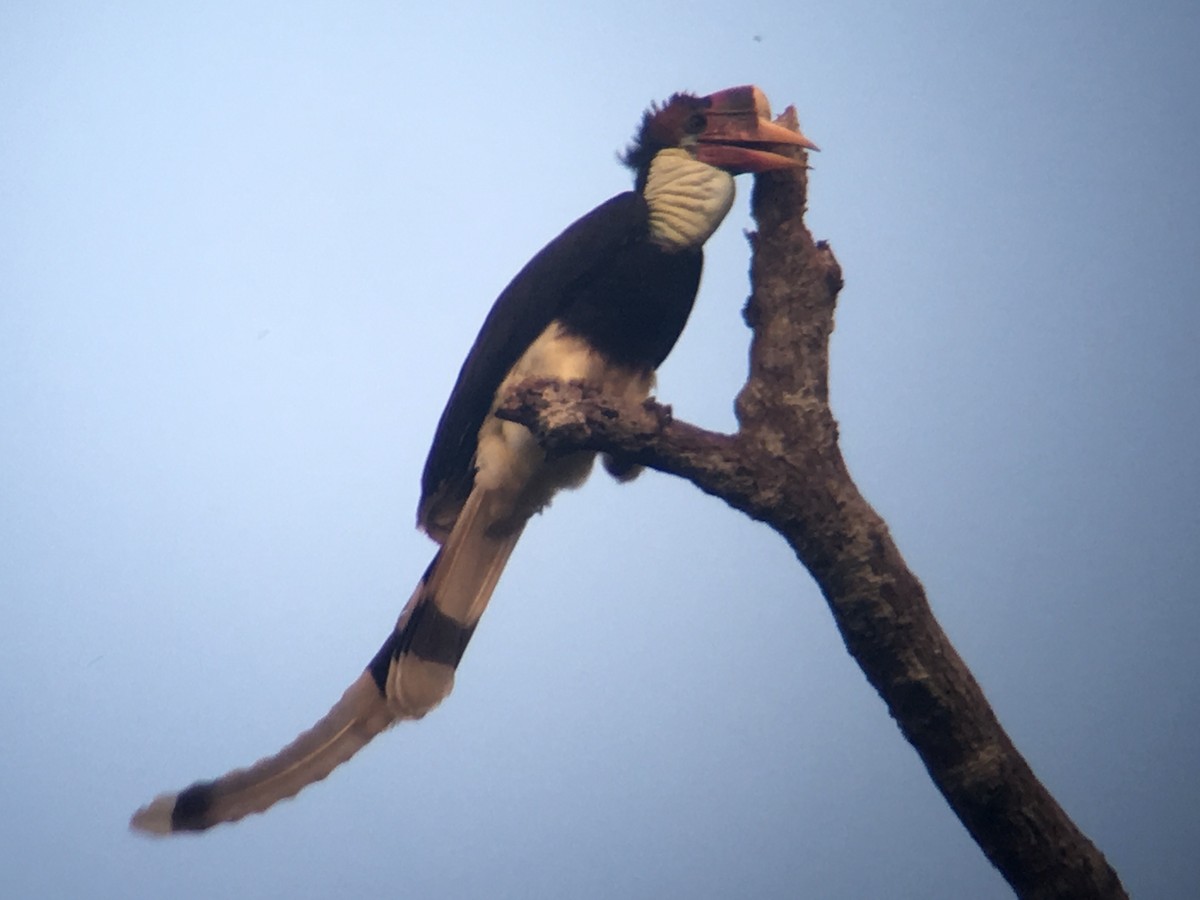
[{"x": 659, "y": 129}]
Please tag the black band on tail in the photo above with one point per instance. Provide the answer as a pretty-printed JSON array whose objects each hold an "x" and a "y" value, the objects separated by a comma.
[
  {"x": 192, "y": 806},
  {"x": 433, "y": 636},
  {"x": 424, "y": 631}
]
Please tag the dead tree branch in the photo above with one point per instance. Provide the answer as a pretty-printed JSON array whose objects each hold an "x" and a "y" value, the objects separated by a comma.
[{"x": 784, "y": 467}]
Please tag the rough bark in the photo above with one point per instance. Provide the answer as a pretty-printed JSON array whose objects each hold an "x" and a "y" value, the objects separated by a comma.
[{"x": 784, "y": 467}]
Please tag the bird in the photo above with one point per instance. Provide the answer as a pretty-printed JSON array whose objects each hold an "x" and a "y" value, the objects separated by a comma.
[{"x": 603, "y": 304}]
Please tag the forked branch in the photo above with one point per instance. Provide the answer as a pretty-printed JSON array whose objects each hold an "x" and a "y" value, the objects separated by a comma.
[{"x": 784, "y": 467}]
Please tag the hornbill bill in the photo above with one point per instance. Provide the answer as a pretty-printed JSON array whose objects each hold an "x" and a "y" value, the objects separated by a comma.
[{"x": 604, "y": 303}]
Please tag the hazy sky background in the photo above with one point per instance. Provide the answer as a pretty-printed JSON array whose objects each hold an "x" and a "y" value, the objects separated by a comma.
[{"x": 243, "y": 250}]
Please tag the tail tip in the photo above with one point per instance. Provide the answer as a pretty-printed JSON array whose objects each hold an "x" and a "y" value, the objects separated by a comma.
[{"x": 155, "y": 817}]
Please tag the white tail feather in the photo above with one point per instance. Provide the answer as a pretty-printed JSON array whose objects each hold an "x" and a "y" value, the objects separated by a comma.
[
  {"x": 458, "y": 588},
  {"x": 346, "y": 728}
]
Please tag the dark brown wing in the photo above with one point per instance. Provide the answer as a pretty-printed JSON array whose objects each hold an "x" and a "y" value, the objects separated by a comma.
[{"x": 532, "y": 300}]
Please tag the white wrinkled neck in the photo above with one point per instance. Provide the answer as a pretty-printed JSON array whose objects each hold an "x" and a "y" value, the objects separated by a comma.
[{"x": 688, "y": 199}]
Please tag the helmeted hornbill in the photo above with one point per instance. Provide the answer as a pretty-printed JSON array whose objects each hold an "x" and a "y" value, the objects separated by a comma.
[{"x": 604, "y": 303}]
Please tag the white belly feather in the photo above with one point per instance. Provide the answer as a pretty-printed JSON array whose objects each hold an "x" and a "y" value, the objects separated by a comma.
[{"x": 510, "y": 464}]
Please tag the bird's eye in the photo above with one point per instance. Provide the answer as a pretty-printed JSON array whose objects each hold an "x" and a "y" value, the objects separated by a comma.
[{"x": 696, "y": 123}]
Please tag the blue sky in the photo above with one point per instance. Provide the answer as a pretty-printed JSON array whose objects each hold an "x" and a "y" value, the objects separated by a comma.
[{"x": 243, "y": 250}]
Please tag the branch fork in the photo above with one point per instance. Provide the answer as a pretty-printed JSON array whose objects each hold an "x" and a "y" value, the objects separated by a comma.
[{"x": 784, "y": 467}]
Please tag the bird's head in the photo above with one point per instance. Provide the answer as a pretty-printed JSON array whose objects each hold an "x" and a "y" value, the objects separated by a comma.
[{"x": 731, "y": 130}]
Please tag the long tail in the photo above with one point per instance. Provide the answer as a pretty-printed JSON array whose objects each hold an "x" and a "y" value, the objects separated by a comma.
[{"x": 412, "y": 672}]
